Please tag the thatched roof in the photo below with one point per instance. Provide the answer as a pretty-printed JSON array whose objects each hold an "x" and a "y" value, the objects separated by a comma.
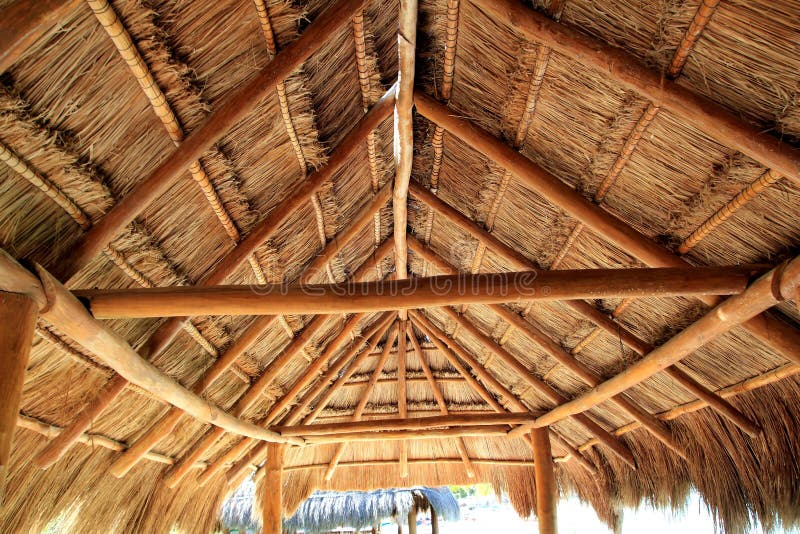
[
  {"x": 86, "y": 119},
  {"x": 238, "y": 511},
  {"x": 328, "y": 510}
]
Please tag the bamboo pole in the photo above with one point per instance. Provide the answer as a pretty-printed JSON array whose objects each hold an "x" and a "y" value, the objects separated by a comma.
[
  {"x": 23, "y": 22},
  {"x": 159, "y": 341},
  {"x": 362, "y": 403},
  {"x": 18, "y": 313},
  {"x": 372, "y": 335},
  {"x": 232, "y": 110},
  {"x": 583, "y": 308},
  {"x": 613, "y": 62},
  {"x": 546, "y": 485},
  {"x": 70, "y": 317},
  {"x": 770, "y": 289},
  {"x": 404, "y": 133},
  {"x": 776, "y": 334},
  {"x": 616, "y": 446},
  {"x": 399, "y": 435},
  {"x": 440, "y": 400},
  {"x": 272, "y": 500},
  {"x": 443, "y": 290},
  {"x": 443, "y": 343},
  {"x": 164, "y": 426},
  {"x": 402, "y": 390}
]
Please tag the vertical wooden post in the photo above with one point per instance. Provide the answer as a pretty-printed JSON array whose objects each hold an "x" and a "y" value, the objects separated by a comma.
[
  {"x": 17, "y": 322},
  {"x": 412, "y": 520},
  {"x": 273, "y": 489},
  {"x": 434, "y": 521},
  {"x": 546, "y": 487}
]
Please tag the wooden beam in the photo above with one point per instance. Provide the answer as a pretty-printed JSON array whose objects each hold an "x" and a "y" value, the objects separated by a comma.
[
  {"x": 167, "y": 423},
  {"x": 770, "y": 289},
  {"x": 272, "y": 500},
  {"x": 437, "y": 394},
  {"x": 583, "y": 308},
  {"x": 394, "y": 435},
  {"x": 232, "y": 110},
  {"x": 610, "y": 61},
  {"x": 404, "y": 133},
  {"x": 444, "y": 290},
  {"x": 70, "y": 317},
  {"x": 362, "y": 403},
  {"x": 405, "y": 423},
  {"x": 23, "y": 22},
  {"x": 773, "y": 332},
  {"x": 402, "y": 390},
  {"x": 412, "y": 519},
  {"x": 373, "y": 335},
  {"x": 546, "y": 485},
  {"x": 616, "y": 446},
  {"x": 18, "y": 313}
]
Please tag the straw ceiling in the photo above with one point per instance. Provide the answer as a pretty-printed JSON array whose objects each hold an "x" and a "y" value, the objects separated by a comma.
[{"x": 303, "y": 187}]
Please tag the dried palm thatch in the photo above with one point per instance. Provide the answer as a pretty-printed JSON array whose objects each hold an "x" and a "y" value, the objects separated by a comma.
[{"x": 98, "y": 102}]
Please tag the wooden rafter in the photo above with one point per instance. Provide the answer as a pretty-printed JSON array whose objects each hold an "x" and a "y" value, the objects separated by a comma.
[
  {"x": 362, "y": 403},
  {"x": 445, "y": 344},
  {"x": 773, "y": 332},
  {"x": 372, "y": 335},
  {"x": 487, "y": 288},
  {"x": 582, "y": 308},
  {"x": 770, "y": 289},
  {"x": 703, "y": 113},
  {"x": 440, "y": 400}
]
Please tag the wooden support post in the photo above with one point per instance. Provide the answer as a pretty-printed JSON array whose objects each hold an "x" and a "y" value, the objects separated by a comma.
[
  {"x": 17, "y": 322},
  {"x": 412, "y": 519},
  {"x": 546, "y": 486},
  {"x": 777, "y": 285},
  {"x": 437, "y": 394},
  {"x": 446, "y": 290},
  {"x": 272, "y": 501},
  {"x": 434, "y": 521},
  {"x": 402, "y": 392}
]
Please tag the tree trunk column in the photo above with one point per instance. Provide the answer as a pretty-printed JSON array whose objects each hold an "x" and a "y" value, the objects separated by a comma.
[
  {"x": 546, "y": 487},
  {"x": 273, "y": 489},
  {"x": 17, "y": 322},
  {"x": 434, "y": 521}
]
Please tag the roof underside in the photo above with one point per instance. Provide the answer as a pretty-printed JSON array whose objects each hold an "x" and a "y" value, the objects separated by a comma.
[{"x": 73, "y": 112}]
